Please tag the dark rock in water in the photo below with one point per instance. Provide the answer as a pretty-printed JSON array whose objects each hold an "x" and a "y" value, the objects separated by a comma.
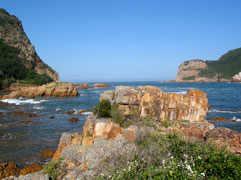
[
  {"x": 224, "y": 136},
  {"x": 25, "y": 122},
  {"x": 8, "y": 169},
  {"x": 52, "y": 117},
  {"x": 82, "y": 111},
  {"x": 23, "y": 114},
  {"x": 47, "y": 153},
  {"x": 73, "y": 119},
  {"x": 218, "y": 119},
  {"x": 69, "y": 112},
  {"x": 31, "y": 168}
]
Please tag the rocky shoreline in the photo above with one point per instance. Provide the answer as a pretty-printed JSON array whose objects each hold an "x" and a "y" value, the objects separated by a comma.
[{"x": 148, "y": 110}]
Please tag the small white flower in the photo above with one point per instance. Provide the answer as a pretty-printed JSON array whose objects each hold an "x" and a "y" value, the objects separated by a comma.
[
  {"x": 199, "y": 157},
  {"x": 163, "y": 161},
  {"x": 102, "y": 174},
  {"x": 202, "y": 174},
  {"x": 109, "y": 176}
]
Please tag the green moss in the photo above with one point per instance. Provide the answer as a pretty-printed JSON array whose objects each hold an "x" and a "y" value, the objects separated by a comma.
[{"x": 52, "y": 168}]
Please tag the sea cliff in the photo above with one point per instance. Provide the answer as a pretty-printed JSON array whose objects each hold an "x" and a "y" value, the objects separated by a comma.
[
  {"x": 12, "y": 33},
  {"x": 224, "y": 69}
]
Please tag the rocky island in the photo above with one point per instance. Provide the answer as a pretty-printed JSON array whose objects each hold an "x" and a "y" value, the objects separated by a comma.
[{"x": 227, "y": 68}]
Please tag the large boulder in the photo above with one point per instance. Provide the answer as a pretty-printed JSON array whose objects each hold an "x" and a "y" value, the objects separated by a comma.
[
  {"x": 150, "y": 101},
  {"x": 57, "y": 89}
]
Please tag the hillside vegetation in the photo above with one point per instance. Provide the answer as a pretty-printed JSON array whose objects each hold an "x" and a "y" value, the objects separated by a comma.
[
  {"x": 12, "y": 69},
  {"x": 227, "y": 66}
]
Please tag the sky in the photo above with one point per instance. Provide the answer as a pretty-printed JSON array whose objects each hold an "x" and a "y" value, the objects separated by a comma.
[{"x": 127, "y": 40}]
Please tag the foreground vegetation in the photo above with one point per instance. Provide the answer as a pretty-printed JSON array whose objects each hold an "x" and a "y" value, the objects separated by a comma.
[
  {"x": 12, "y": 69},
  {"x": 161, "y": 156}
]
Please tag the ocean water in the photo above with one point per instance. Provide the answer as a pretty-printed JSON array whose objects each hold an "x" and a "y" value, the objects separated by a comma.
[{"x": 22, "y": 143}]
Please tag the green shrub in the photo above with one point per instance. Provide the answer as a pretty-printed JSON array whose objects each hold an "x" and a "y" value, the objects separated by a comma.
[
  {"x": 52, "y": 168},
  {"x": 103, "y": 109},
  {"x": 166, "y": 123},
  {"x": 170, "y": 157},
  {"x": 12, "y": 68},
  {"x": 116, "y": 115}
]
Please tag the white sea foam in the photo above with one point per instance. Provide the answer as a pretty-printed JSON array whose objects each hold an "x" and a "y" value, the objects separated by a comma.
[
  {"x": 57, "y": 109},
  {"x": 222, "y": 111},
  {"x": 87, "y": 113},
  {"x": 82, "y": 95},
  {"x": 236, "y": 119},
  {"x": 38, "y": 107},
  {"x": 75, "y": 111},
  {"x": 20, "y": 101},
  {"x": 181, "y": 92}
]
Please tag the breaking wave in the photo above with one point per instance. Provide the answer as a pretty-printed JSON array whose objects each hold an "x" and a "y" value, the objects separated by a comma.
[
  {"x": 223, "y": 111},
  {"x": 23, "y": 101}
]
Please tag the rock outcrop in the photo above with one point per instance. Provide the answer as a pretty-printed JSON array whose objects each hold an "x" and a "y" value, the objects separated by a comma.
[
  {"x": 57, "y": 89},
  {"x": 8, "y": 169},
  {"x": 189, "y": 70},
  {"x": 237, "y": 77},
  {"x": 101, "y": 85},
  {"x": 226, "y": 137},
  {"x": 12, "y": 33},
  {"x": 152, "y": 101},
  {"x": 82, "y": 86}
]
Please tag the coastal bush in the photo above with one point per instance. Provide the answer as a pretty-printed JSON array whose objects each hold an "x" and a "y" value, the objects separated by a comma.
[
  {"x": 12, "y": 69},
  {"x": 170, "y": 157},
  {"x": 52, "y": 168},
  {"x": 117, "y": 116},
  {"x": 103, "y": 109},
  {"x": 227, "y": 66}
]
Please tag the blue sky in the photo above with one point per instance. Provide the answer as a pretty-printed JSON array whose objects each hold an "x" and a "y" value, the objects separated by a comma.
[{"x": 127, "y": 40}]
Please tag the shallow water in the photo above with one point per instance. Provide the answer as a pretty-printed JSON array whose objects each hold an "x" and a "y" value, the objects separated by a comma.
[{"x": 22, "y": 143}]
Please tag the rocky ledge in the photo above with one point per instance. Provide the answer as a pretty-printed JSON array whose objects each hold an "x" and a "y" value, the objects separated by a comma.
[{"x": 58, "y": 89}]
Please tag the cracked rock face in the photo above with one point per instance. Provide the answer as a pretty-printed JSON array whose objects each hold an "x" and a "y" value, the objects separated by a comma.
[
  {"x": 190, "y": 69},
  {"x": 12, "y": 33},
  {"x": 152, "y": 102}
]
